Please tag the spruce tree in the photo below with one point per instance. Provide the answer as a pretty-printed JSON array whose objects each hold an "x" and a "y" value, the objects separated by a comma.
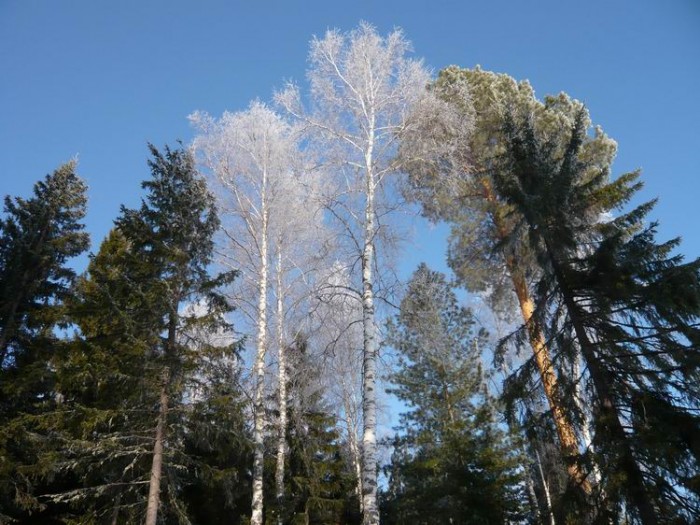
[
  {"x": 171, "y": 235},
  {"x": 319, "y": 482},
  {"x": 38, "y": 236},
  {"x": 132, "y": 378},
  {"x": 629, "y": 305},
  {"x": 455, "y": 464}
]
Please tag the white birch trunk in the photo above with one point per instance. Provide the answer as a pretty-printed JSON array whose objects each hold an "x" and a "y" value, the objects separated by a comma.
[
  {"x": 369, "y": 363},
  {"x": 256, "y": 517},
  {"x": 282, "y": 359},
  {"x": 355, "y": 457},
  {"x": 545, "y": 488},
  {"x": 534, "y": 503}
]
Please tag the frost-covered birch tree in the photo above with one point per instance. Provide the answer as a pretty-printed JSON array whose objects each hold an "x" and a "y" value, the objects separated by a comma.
[
  {"x": 253, "y": 157},
  {"x": 364, "y": 90},
  {"x": 338, "y": 316},
  {"x": 300, "y": 245}
]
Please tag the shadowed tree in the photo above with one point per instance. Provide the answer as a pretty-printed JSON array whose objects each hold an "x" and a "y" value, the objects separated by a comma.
[
  {"x": 38, "y": 236},
  {"x": 630, "y": 306}
]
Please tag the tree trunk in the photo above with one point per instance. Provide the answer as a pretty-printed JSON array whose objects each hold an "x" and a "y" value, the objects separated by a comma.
[
  {"x": 115, "y": 512},
  {"x": 157, "y": 465},
  {"x": 545, "y": 488},
  {"x": 565, "y": 429},
  {"x": 635, "y": 486},
  {"x": 370, "y": 514},
  {"x": 282, "y": 364},
  {"x": 355, "y": 456},
  {"x": 587, "y": 439},
  {"x": 532, "y": 497},
  {"x": 256, "y": 517}
]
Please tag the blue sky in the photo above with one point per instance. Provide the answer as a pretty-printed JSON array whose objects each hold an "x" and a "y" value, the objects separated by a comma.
[{"x": 100, "y": 79}]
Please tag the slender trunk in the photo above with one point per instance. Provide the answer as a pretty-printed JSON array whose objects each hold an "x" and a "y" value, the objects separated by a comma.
[
  {"x": 635, "y": 485},
  {"x": 115, "y": 512},
  {"x": 545, "y": 488},
  {"x": 370, "y": 514},
  {"x": 586, "y": 437},
  {"x": 282, "y": 429},
  {"x": 532, "y": 496},
  {"x": 565, "y": 429},
  {"x": 259, "y": 409},
  {"x": 157, "y": 465},
  {"x": 355, "y": 457}
]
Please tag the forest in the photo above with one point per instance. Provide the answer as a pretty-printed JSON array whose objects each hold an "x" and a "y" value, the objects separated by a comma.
[{"x": 236, "y": 344}]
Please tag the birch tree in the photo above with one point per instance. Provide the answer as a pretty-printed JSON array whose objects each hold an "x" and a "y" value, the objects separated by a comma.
[
  {"x": 300, "y": 245},
  {"x": 363, "y": 90},
  {"x": 253, "y": 157},
  {"x": 339, "y": 321}
]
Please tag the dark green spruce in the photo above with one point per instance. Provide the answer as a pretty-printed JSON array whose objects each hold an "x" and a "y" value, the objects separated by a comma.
[
  {"x": 38, "y": 236},
  {"x": 627, "y": 303}
]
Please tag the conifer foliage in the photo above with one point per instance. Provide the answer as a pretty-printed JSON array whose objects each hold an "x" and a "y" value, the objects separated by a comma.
[
  {"x": 38, "y": 236},
  {"x": 123, "y": 396},
  {"x": 627, "y": 303},
  {"x": 452, "y": 463}
]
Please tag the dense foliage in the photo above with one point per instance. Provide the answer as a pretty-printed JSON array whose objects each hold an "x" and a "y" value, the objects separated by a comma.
[{"x": 127, "y": 395}]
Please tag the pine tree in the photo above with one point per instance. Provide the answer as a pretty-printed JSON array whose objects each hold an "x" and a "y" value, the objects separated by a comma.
[
  {"x": 630, "y": 306},
  {"x": 455, "y": 465},
  {"x": 458, "y": 186},
  {"x": 38, "y": 236}
]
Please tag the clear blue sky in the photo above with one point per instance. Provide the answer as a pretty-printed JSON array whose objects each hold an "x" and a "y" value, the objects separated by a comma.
[{"x": 100, "y": 79}]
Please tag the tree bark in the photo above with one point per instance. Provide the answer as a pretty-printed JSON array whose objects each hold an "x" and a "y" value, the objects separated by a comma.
[
  {"x": 157, "y": 465},
  {"x": 282, "y": 364},
  {"x": 545, "y": 488},
  {"x": 565, "y": 429},
  {"x": 370, "y": 514},
  {"x": 259, "y": 408}
]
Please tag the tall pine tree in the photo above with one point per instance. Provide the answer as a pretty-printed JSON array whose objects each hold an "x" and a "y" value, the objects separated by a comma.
[{"x": 452, "y": 462}]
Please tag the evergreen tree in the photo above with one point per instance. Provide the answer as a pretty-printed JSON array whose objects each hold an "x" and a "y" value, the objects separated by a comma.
[
  {"x": 141, "y": 356},
  {"x": 37, "y": 237},
  {"x": 627, "y": 303},
  {"x": 453, "y": 463},
  {"x": 319, "y": 482},
  {"x": 104, "y": 378},
  {"x": 484, "y": 252},
  {"x": 216, "y": 441},
  {"x": 171, "y": 234}
]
